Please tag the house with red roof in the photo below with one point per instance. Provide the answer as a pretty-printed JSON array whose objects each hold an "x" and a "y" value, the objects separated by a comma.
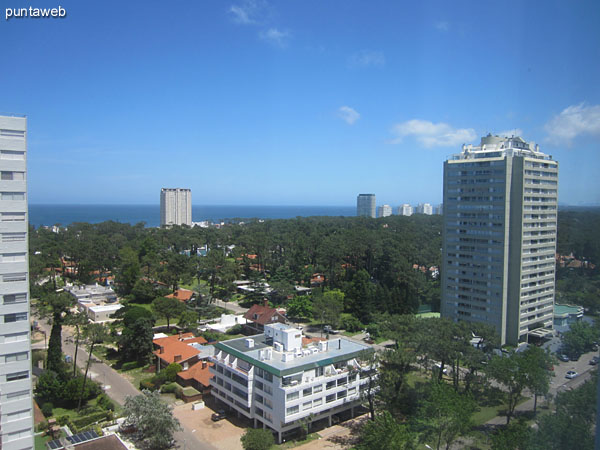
[
  {"x": 260, "y": 315},
  {"x": 177, "y": 349},
  {"x": 183, "y": 295}
]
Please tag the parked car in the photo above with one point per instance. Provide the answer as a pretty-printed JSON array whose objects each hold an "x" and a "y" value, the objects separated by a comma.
[
  {"x": 571, "y": 374},
  {"x": 219, "y": 415},
  {"x": 563, "y": 357},
  {"x": 330, "y": 330},
  {"x": 594, "y": 361},
  {"x": 437, "y": 367}
]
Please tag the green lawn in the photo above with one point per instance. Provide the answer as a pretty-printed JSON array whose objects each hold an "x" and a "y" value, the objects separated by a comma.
[
  {"x": 295, "y": 443},
  {"x": 136, "y": 375},
  {"x": 40, "y": 441},
  {"x": 487, "y": 413},
  {"x": 148, "y": 307}
]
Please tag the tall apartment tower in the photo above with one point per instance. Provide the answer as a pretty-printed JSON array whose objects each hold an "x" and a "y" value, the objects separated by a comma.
[
  {"x": 16, "y": 406},
  {"x": 424, "y": 208},
  {"x": 384, "y": 211},
  {"x": 499, "y": 237},
  {"x": 405, "y": 210},
  {"x": 175, "y": 206},
  {"x": 365, "y": 205}
]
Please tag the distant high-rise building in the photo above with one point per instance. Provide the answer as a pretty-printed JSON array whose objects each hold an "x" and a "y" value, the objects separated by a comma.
[
  {"x": 365, "y": 205},
  {"x": 499, "y": 237},
  {"x": 175, "y": 206},
  {"x": 16, "y": 400},
  {"x": 405, "y": 210},
  {"x": 439, "y": 209},
  {"x": 384, "y": 211},
  {"x": 424, "y": 208}
]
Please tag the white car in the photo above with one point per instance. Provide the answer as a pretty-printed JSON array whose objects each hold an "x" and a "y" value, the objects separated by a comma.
[{"x": 571, "y": 374}]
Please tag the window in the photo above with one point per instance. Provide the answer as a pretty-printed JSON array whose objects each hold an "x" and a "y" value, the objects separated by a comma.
[
  {"x": 17, "y": 376},
  {"x": 15, "y": 317},
  {"x": 268, "y": 403},
  {"x": 13, "y": 357},
  {"x": 13, "y": 237},
  {"x": 12, "y": 133},
  {"x": 12, "y": 257},
  {"x": 12, "y": 195},
  {"x": 292, "y": 396},
  {"x": 14, "y": 337},
  {"x": 341, "y": 394},
  {"x": 12, "y": 176},
  {"x": 11, "y": 277},
  {"x": 330, "y": 398},
  {"x": 13, "y": 217},
  {"x": 292, "y": 410},
  {"x": 18, "y": 435},
  {"x": 306, "y": 392},
  {"x": 10, "y": 299},
  {"x": 12, "y": 155},
  {"x": 330, "y": 385},
  {"x": 318, "y": 402},
  {"x": 24, "y": 414},
  {"x": 306, "y": 406},
  {"x": 17, "y": 395},
  {"x": 317, "y": 388}
]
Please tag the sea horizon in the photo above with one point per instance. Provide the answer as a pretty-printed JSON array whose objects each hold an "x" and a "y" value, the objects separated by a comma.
[{"x": 66, "y": 214}]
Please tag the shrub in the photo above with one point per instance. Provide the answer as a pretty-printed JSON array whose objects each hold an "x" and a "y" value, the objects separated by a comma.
[
  {"x": 373, "y": 330},
  {"x": 351, "y": 323},
  {"x": 43, "y": 425},
  {"x": 84, "y": 421},
  {"x": 129, "y": 366},
  {"x": 236, "y": 329},
  {"x": 149, "y": 384},
  {"x": 63, "y": 420},
  {"x": 105, "y": 403},
  {"x": 170, "y": 388},
  {"x": 257, "y": 439},
  {"x": 47, "y": 409}
]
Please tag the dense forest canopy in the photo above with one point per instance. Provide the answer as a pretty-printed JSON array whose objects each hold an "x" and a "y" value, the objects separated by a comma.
[{"x": 379, "y": 264}]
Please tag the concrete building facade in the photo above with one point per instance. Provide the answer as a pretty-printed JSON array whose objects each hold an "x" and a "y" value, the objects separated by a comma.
[
  {"x": 365, "y": 205},
  {"x": 424, "y": 208},
  {"x": 175, "y": 207},
  {"x": 384, "y": 211},
  {"x": 499, "y": 237},
  {"x": 280, "y": 378},
  {"x": 16, "y": 400},
  {"x": 405, "y": 210}
]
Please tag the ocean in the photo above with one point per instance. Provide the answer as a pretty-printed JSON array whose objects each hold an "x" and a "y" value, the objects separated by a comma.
[{"x": 46, "y": 215}]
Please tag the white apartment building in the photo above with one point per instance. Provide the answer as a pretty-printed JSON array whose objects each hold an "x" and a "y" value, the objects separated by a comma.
[
  {"x": 16, "y": 404},
  {"x": 405, "y": 210},
  {"x": 384, "y": 211},
  {"x": 425, "y": 208},
  {"x": 175, "y": 207},
  {"x": 276, "y": 381},
  {"x": 499, "y": 237}
]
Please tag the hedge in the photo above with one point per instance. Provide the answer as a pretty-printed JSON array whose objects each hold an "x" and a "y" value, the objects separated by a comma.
[
  {"x": 89, "y": 419},
  {"x": 129, "y": 366}
]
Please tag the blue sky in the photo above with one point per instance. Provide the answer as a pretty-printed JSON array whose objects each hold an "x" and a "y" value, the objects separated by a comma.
[{"x": 295, "y": 102}]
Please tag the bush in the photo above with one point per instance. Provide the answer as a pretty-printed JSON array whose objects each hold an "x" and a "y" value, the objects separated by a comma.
[
  {"x": 47, "y": 409},
  {"x": 129, "y": 366},
  {"x": 170, "y": 388},
  {"x": 43, "y": 425},
  {"x": 149, "y": 384},
  {"x": 105, "y": 403},
  {"x": 351, "y": 323},
  {"x": 63, "y": 420},
  {"x": 373, "y": 330},
  {"x": 84, "y": 421},
  {"x": 257, "y": 439},
  {"x": 236, "y": 329}
]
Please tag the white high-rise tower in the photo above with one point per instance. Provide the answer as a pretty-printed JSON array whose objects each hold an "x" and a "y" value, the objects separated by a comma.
[
  {"x": 16, "y": 400},
  {"x": 499, "y": 237},
  {"x": 175, "y": 206}
]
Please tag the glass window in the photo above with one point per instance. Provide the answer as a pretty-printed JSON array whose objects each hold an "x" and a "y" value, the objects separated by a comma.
[
  {"x": 306, "y": 392},
  {"x": 292, "y": 410},
  {"x": 293, "y": 396},
  {"x": 22, "y": 356},
  {"x": 17, "y": 376},
  {"x": 15, "y": 317},
  {"x": 9, "y": 299},
  {"x": 317, "y": 388}
]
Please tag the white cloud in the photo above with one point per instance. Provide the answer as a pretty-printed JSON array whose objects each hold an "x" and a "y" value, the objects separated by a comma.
[
  {"x": 510, "y": 133},
  {"x": 367, "y": 58},
  {"x": 442, "y": 26},
  {"x": 248, "y": 12},
  {"x": 275, "y": 37},
  {"x": 430, "y": 134},
  {"x": 574, "y": 121},
  {"x": 347, "y": 114}
]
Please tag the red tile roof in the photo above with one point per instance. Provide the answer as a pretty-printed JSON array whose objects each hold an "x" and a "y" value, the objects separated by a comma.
[
  {"x": 263, "y": 315},
  {"x": 176, "y": 347},
  {"x": 198, "y": 372},
  {"x": 183, "y": 295}
]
